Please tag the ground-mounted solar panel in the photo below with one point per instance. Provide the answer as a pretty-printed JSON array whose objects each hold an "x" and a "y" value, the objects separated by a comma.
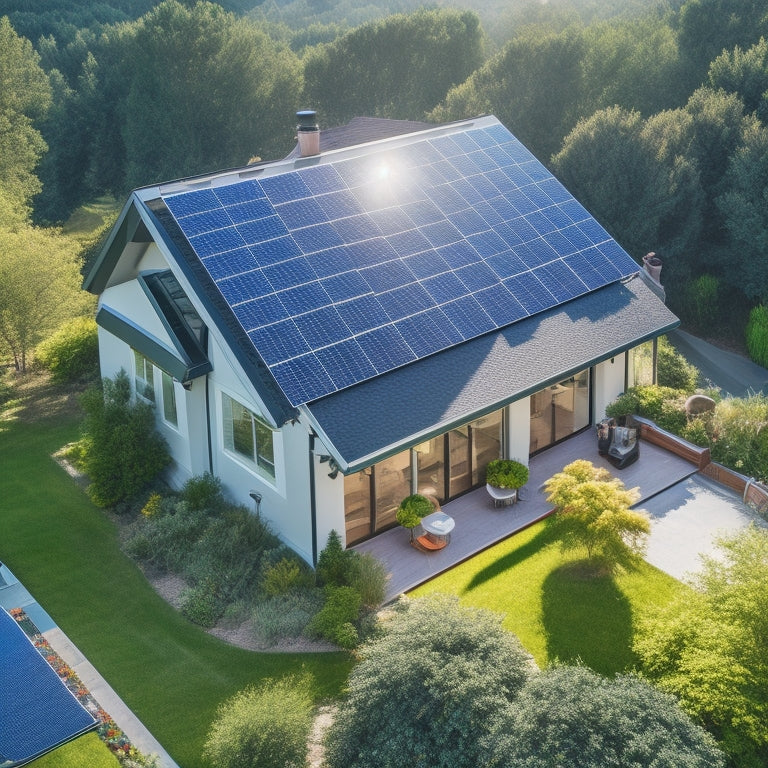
[{"x": 373, "y": 257}]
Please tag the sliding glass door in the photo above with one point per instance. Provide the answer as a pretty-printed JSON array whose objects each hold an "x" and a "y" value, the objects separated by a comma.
[{"x": 559, "y": 411}]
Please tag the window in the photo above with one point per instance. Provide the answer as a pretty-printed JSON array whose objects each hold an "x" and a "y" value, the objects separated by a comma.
[
  {"x": 248, "y": 436},
  {"x": 169, "y": 399},
  {"x": 145, "y": 376}
]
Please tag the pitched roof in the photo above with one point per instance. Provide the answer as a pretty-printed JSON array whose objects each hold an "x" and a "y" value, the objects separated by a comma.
[{"x": 344, "y": 267}]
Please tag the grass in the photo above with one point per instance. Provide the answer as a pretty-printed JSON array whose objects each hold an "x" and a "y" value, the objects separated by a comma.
[
  {"x": 86, "y": 750},
  {"x": 553, "y": 601},
  {"x": 172, "y": 674}
]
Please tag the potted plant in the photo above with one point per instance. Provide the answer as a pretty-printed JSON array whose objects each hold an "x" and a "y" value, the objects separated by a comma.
[
  {"x": 503, "y": 478},
  {"x": 412, "y": 508}
]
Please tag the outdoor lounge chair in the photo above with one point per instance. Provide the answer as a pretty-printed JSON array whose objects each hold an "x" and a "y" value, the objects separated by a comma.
[{"x": 618, "y": 444}]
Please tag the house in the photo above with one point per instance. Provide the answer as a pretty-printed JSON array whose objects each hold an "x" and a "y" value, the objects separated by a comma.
[{"x": 332, "y": 331}]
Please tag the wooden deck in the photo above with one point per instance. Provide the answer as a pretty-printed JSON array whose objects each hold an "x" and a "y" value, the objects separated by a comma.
[{"x": 479, "y": 524}]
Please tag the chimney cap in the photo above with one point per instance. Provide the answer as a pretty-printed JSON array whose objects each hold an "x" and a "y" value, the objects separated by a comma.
[{"x": 307, "y": 120}]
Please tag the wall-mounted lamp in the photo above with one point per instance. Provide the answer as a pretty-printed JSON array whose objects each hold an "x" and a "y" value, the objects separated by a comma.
[
  {"x": 256, "y": 496},
  {"x": 332, "y": 465},
  {"x": 187, "y": 385}
]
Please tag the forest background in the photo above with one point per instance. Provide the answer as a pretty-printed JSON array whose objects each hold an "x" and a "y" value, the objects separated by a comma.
[{"x": 654, "y": 113}]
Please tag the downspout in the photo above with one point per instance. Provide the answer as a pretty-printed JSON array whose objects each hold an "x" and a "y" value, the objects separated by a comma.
[
  {"x": 204, "y": 341},
  {"x": 312, "y": 498}
]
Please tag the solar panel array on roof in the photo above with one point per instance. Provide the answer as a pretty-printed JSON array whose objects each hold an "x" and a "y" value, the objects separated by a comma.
[{"x": 356, "y": 266}]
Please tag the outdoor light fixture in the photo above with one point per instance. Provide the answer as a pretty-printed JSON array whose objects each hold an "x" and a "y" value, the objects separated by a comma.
[
  {"x": 256, "y": 496},
  {"x": 332, "y": 465}
]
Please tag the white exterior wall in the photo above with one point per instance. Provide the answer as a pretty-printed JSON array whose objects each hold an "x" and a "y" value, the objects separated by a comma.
[
  {"x": 608, "y": 384},
  {"x": 518, "y": 437},
  {"x": 329, "y": 500}
]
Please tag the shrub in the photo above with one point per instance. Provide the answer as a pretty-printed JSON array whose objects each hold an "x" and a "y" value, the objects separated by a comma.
[
  {"x": 266, "y": 727},
  {"x": 429, "y": 690},
  {"x": 663, "y": 405},
  {"x": 368, "y": 576},
  {"x": 739, "y": 435},
  {"x": 506, "y": 473},
  {"x": 153, "y": 505},
  {"x": 674, "y": 370},
  {"x": 122, "y": 450},
  {"x": 203, "y": 604},
  {"x": 286, "y": 615},
  {"x": 702, "y": 300},
  {"x": 757, "y": 335},
  {"x": 284, "y": 576},
  {"x": 203, "y": 492},
  {"x": 72, "y": 352},
  {"x": 333, "y": 562},
  {"x": 412, "y": 508},
  {"x": 337, "y": 616}
]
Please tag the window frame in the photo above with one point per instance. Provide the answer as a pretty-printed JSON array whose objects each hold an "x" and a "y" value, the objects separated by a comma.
[{"x": 255, "y": 435}]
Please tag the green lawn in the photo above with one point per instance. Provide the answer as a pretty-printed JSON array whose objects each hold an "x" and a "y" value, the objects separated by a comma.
[
  {"x": 553, "y": 604},
  {"x": 65, "y": 551}
]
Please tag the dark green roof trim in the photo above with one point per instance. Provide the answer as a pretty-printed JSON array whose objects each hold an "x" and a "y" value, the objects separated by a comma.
[
  {"x": 129, "y": 228},
  {"x": 153, "y": 349},
  {"x": 178, "y": 247},
  {"x": 383, "y": 416}
]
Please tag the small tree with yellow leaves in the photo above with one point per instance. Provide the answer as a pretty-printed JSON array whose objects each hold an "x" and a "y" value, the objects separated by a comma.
[{"x": 593, "y": 510}]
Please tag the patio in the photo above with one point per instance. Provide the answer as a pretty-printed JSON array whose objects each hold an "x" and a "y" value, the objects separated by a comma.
[{"x": 479, "y": 524}]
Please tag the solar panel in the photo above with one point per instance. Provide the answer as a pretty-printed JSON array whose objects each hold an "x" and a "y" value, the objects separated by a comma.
[{"x": 357, "y": 265}]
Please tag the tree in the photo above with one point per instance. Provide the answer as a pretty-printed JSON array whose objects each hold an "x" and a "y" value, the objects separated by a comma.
[
  {"x": 742, "y": 72},
  {"x": 400, "y": 67},
  {"x": 39, "y": 288},
  {"x": 534, "y": 86},
  {"x": 263, "y": 727},
  {"x": 570, "y": 715},
  {"x": 120, "y": 451},
  {"x": 592, "y": 510},
  {"x": 24, "y": 98},
  {"x": 708, "y": 647},
  {"x": 429, "y": 690}
]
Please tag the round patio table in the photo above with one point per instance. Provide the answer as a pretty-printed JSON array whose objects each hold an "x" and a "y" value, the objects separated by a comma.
[{"x": 439, "y": 525}]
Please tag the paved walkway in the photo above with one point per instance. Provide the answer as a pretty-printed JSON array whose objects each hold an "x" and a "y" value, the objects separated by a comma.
[{"x": 14, "y": 595}]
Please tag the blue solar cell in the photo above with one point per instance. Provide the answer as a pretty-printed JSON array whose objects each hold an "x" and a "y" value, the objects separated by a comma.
[
  {"x": 486, "y": 188},
  {"x": 501, "y": 181},
  {"x": 428, "y": 175},
  {"x": 386, "y": 348},
  {"x": 540, "y": 222},
  {"x": 443, "y": 288},
  {"x": 560, "y": 243},
  {"x": 250, "y": 210},
  {"x": 477, "y": 276},
  {"x": 192, "y": 202},
  {"x": 279, "y": 341},
  {"x": 408, "y": 243},
  {"x": 232, "y": 263},
  {"x": 466, "y": 165},
  {"x": 362, "y": 314},
  {"x": 408, "y": 300},
  {"x": 244, "y": 287},
  {"x": 447, "y": 171},
  {"x": 446, "y": 146},
  {"x": 348, "y": 285},
  {"x": 198, "y": 223},
  {"x": 392, "y": 220},
  {"x": 517, "y": 176},
  {"x": 618, "y": 258},
  {"x": 303, "y": 379},
  {"x": 304, "y": 298},
  {"x": 371, "y": 252},
  {"x": 356, "y": 228},
  {"x": 509, "y": 233},
  {"x": 257, "y": 231},
  {"x": 322, "y": 327},
  {"x": 356, "y": 172},
  {"x": 502, "y": 307},
  {"x": 500, "y": 157},
  {"x": 317, "y": 238},
  {"x": 339, "y": 204},
  {"x": 465, "y": 141},
  {"x": 574, "y": 210},
  {"x": 483, "y": 161},
  {"x": 469, "y": 222},
  {"x": 446, "y": 198},
  {"x": 288, "y": 274},
  {"x": 345, "y": 363},
  {"x": 542, "y": 250},
  {"x": 216, "y": 242},
  {"x": 561, "y": 281},
  {"x": 373, "y": 197},
  {"x": 426, "y": 264},
  {"x": 285, "y": 187},
  {"x": 441, "y": 233},
  {"x": 529, "y": 291},
  {"x": 386, "y": 276},
  {"x": 555, "y": 190},
  {"x": 594, "y": 231},
  {"x": 528, "y": 255},
  {"x": 487, "y": 243},
  {"x": 459, "y": 254},
  {"x": 581, "y": 264},
  {"x": 467, "y": 192},
  {"x": 539, "y": 197},
  {"x": 576, "y": 237},
  {"x": 516, "y": 150},
  {"x": 423, "y": 212},
  {"x": 489, "y": 213},
  {"x": 301, "y": 213},
  {"x": 558, "y": 218},
  {"x": 506, "y": 264},
  {"x": 332, "y": 261},
  {"x": 469, "y": 318},
  {"x": 322, "y": 179},
  {"x": 424, "y": 335},
  {"x": 253, "y": 314},
  {"x": 240, "y": 192},
  {"x": 482, "y": 137},
  {"x": 523, "y": 203},
  {"x": 275, "y": 251},
  {"x": 504, "y": 208}
]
